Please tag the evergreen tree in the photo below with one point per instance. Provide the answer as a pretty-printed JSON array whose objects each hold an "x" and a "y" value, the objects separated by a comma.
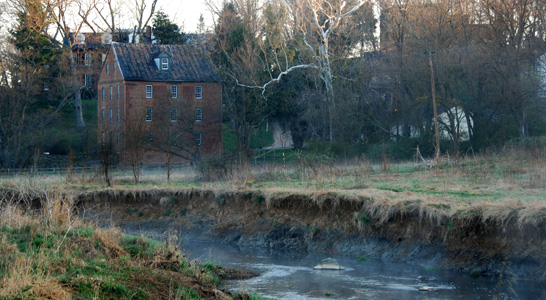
[{"x": 165, "y": 31}]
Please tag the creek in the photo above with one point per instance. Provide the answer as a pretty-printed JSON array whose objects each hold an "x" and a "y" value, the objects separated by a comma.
[{"x": 290, "y": 275}]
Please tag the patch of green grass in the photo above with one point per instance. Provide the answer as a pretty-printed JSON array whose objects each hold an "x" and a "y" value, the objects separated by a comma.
[
  {"x": 139, "y": 246},
  {"x": 187, "y": 293},
  {"x": 364, "y": 219}
]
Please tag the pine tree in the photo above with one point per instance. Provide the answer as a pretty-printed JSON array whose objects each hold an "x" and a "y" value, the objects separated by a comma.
[{"x": 165, "y": 31}]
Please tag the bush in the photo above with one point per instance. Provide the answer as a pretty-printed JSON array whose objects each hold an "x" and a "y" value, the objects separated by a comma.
[{"x": 213, "y": 169}]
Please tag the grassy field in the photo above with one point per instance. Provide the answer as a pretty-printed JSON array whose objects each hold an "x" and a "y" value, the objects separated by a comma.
[{"x": 49, "y": 254}]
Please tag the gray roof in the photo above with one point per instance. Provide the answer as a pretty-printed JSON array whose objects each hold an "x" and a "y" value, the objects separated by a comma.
[{"x": 189, "y": 63}]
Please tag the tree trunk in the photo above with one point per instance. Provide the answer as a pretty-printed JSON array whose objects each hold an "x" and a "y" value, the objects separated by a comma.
[{"x": 80, "y": 123}]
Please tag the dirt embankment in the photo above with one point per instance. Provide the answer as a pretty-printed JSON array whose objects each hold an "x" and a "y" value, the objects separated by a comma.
[{"x": 365, "y": 225}]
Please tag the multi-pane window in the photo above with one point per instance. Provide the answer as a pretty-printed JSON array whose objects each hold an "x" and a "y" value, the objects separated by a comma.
[
  {"x": 111, "y": 115},
  {"x": 118, "y": 90},
  {"x": 198, "y": 138},
  {"x": 198, "y": 92},
  {"x": 102, "y": 92},
  {"x": 111, "y": 92},
  {"x": 198, "y": 114},
  {"x": 149, "y": 91},
  {"x": 102, "y": 115},
  {"x": 164, "y": 64},
  {"x": 174, "y": 91},
  {"x": 174, "y": 115},
  {"x": 149, "y": 112},
  {"x": 76, "y": 58},
  {"x": 107, "y": 68},
  {"x": 118, "y": 115},
  {"x": 88, "y": 80},
  {"x": 88, "y": 59}
]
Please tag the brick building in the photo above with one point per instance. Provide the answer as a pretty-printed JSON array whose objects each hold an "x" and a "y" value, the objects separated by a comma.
[
  {"x": 89, "y": 51},
  {"x": 159, "y": 103}
]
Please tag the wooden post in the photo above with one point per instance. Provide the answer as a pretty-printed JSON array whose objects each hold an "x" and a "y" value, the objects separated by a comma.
[{"x": 437, "y": 155}]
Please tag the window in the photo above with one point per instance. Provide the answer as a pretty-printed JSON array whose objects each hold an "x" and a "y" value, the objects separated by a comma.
[
  {"x": 103, "y": 115},
  {"x": 88, "y": 59},
  {"x": 111, "y": 92},
  {"x": 118, "y": 139},
  {"x": 198, "y": 92},
  {"x": 174, "y": 115},
  {"x": 198, "y": 138},
  {"x": 198, "y": 114},
  {"x": 174, "y": 91},
  {"x": 118, "y": 115},
  {"x": 149, "y": 91},
  {"x": 76, "y": 58},
  {"x": 149, "y": 136},
  {"x": 107, "y": 68},
  {"x": 118, "y": 91},
  {"x": 111, "y": 115},
  {"x": 103, "y": 137},
  {"x": 111, "y": 140},
  {"x": 115, "y": 65},
  {"x": 164, "y": 64},
  {"x": 102, "y": 89},
  {"x": 88, "y": 80},
  {"x": 173, "y": 136},
  {"x": 149, "y": 112}
]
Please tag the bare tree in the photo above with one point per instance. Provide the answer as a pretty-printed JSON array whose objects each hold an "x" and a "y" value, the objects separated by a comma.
[
  {"x": 142, "y": 16},
  {"x": 137, "y": 136}
]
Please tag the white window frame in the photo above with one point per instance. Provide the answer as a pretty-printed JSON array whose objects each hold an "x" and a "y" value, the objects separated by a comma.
[
  {"x": 149, "y": 114},
  {"x": 164, "y": 64},
  {"x": 149, "y": 91},
  {"x": 88, "y": 80},
  {"x": 174, "y": 115},
  {"x": 198, "y": 92},
  {"x": 88, "y": 59},
  {"x": 174, "y": 91},
  {"x": 198, "y": 114}
]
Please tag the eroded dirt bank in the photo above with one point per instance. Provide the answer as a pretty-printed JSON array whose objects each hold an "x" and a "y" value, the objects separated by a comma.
[{"x": 474, "y": 241}]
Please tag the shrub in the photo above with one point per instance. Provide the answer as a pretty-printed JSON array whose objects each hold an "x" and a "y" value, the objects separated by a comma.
[{"x": 213, "y": 169}]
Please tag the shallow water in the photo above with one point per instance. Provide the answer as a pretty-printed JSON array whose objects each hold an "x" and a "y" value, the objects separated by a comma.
[{"x": 291, "y": 276}]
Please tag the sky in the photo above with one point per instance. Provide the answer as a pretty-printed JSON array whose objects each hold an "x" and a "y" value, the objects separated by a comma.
[{"x": 186, "y": 13}]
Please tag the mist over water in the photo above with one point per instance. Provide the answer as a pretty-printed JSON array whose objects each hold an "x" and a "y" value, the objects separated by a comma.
[{"x": 291, "y": 276}]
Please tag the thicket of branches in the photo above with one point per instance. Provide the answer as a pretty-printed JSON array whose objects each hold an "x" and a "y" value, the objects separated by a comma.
[
  {"x": 351, "y": 72},
  {"x": 323, "y": 69}
]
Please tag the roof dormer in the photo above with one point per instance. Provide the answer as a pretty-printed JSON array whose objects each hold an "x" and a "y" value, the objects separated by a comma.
[{"x": 163, "y": 61}]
